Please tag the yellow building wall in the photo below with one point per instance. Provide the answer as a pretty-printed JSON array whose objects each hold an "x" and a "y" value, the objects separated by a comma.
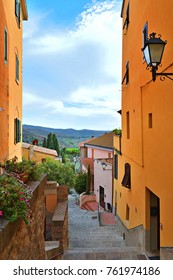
[
  {"x": 149, "y": 150},
  {"x": 37, "y": 156},
  {"x": 14, "y": 89},
  {"x": 3, "y": 89}
]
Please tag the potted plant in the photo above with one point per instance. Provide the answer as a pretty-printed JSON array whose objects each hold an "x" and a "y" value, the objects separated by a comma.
[
  {"x": 25, "y": 169},
  {"x": 15, "y": 198}
]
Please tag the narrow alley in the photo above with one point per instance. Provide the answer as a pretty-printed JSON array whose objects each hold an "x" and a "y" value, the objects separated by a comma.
[{"x": 90, "y": 241}]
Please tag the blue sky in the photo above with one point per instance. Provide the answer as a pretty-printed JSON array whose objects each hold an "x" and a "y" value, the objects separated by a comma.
[{"x": 72, "y": 64}]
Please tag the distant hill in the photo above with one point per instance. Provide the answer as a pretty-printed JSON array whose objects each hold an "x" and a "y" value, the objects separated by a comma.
[{"x": 66, "y": 137}]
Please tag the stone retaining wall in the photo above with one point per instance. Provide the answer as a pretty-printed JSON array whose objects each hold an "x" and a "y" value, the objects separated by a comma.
[{"x": 19, "y": 241}]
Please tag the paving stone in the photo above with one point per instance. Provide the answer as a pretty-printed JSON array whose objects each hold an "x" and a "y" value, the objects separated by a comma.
[{"x": 88, "y": 240}]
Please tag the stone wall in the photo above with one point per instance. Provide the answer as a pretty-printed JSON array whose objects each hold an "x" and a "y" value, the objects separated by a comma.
[
  {"x": 133, "y": 237},
  {"x": 19, "y": 241},
  {"x": 166, "y": 253},
  {"x": 56, "y": 219},
  {"x": 60, "y": 224}
]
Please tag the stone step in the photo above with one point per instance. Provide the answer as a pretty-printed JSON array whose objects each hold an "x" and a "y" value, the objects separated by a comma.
[{"x": 101, "y": 249}]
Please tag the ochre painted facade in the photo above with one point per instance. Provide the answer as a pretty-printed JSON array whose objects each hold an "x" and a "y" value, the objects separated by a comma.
[
  {"x": 3, "y": 89},
  {"x": 147, "y": 130},
  {"x": 12, "y": 14},
  {"x": 36, "y": 153}
]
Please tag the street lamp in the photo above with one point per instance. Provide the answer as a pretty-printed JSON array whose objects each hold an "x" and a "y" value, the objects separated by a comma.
[{"x": 153, "y": 52}]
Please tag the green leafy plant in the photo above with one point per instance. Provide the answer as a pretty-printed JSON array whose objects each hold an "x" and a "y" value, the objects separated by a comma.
[
  {"x": 59, "y": 172},
  {"x": 15, "y": 198},
  {"x": 81, "y": 182},
  {"x": 27, "y": 168}
]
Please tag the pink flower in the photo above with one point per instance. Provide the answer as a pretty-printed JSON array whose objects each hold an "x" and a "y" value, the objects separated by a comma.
[
  {"x": 21, "y": 198},
  {"x": 1, "y": 213}
]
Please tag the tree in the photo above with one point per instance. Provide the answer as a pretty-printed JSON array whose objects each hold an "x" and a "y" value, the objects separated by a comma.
[
  {"x": 56, "y": 171},
  {"x": 51, "y": 142},
  {"x": 55, "y": 143},
  {"x": 45, "y": 143},
  {"x": 81, "y": 181}
]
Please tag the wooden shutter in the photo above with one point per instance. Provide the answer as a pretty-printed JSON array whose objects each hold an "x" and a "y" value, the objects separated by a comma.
[
  {"x": 17, "y": 131},
  {"x": 116, "y": 166},
  {"x": 17, "y": 68},
  {"x": 126, "y": 182},
  {"x": 5, "y": 45}
]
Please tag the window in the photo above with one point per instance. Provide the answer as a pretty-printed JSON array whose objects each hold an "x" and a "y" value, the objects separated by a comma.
[
  {"x": 145, "y": 35},
  {"x": 126, "y": 182},
  {"x": 127, "y": 21},
  {"x": 17, "y": 131},
  {"x": 17, "y": 69},
  {"x": 17, "y": 11},
  {"x": 150, "y": 120},
  {"x": 116, "y": 166},
  {"x": 128, "y": 124},
  {"x": 126, "y": 76},
  {"x": 5, "y": 46},
  {"x": 109, "y": 155},
  {"x": 127, "y": 213}
]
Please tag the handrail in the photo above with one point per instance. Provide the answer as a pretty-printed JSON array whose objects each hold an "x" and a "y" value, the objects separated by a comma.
[{"x": 99, "y": 212}]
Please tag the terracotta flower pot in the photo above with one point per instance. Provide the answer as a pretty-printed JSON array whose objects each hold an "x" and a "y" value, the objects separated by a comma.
[{"x": 24, "y": 177}]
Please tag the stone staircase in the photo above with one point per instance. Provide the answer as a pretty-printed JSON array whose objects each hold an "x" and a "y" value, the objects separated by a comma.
[
  {"x": 88, "y": 240},
  {"x": 90, "y": 206}
]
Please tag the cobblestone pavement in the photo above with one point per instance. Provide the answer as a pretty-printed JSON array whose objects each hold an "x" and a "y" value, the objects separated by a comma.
[{"x": 89, "y": 241}]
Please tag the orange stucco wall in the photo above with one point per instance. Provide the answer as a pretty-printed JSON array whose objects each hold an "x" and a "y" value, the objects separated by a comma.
[
  {"x": 11, "y": 91},
  {"x": 3, "y": 89},
  {"x": 149, "y": 150}
]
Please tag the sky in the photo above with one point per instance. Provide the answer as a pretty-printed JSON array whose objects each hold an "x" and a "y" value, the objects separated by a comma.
[{"x": 72, "y": 64}]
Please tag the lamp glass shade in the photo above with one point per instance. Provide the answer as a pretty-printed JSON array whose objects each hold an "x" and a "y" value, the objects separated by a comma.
[
  {"x": 153, "y": 51},
  {"x": 156, "y": 52},
  {"x": 147, "y": 55}
]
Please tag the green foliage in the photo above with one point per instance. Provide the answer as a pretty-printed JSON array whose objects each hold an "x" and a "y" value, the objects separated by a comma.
[
  {"x": 14, "y": 198},
  {"x": 44, "y": 142},
  {"x": 72, "y": 151},
  {"x": 51, "y": 142},
  {"x": 81, "y": 182},
  {"x": 25, "y": 166},
  {"x": 59, "y": 172},
  {"x": 117, "y": 131}
]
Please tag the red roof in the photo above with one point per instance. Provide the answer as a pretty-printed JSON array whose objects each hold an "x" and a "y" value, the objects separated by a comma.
[
  {"x": 88, "y": 161},
  {"x": 81, "y": 144}
]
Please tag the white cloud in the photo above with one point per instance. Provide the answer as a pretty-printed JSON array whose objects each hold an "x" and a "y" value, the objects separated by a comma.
[{"x": 82, "y": 66}]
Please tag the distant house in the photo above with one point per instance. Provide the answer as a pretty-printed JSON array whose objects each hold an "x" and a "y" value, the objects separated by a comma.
[
  {"x": 99, "y": 153},
  {"x": 37, "y": 153}
]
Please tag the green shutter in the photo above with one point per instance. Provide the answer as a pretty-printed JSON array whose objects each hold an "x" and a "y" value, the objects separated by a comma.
[
  {"x": 17, "y": 131},
  {"x": 17, "y": 68}
]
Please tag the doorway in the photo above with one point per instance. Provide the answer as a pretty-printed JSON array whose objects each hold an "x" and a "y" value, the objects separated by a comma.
[
  {"x": 154, "y": 222},
  {"x": 102, "y": 196}
]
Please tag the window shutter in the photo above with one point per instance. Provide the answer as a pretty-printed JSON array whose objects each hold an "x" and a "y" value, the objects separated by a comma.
[
  {"x": 126, "y": 76},
  {"x": 126, "y": 182},
  {"x": 17, "y": 68},
  {"x": 127, "y": 73},
  {"x": 16, "y": 8},
  {"x": 127, "y": 20},
  {"x": 17, "y": 131},
  {"x": 116, "y": 167},
  {"x": 145, "y": 35},
  {"x": 19, "y": 14},
  {"x": 5, "y": 45}
]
